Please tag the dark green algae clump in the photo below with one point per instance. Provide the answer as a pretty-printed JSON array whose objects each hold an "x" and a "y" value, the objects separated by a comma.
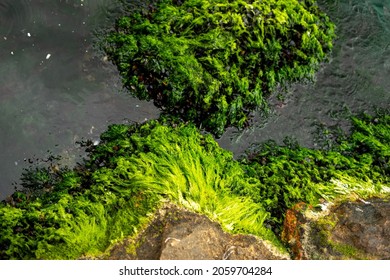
[
  {"x": 213, "y": 62},
  {"x": 136, "y": 168}
]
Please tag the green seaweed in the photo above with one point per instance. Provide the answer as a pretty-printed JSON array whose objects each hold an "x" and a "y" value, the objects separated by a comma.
[
  {"x": 68, "y": 214},
  {"x": 212, "y": 62},
  {"x": 128, "y": 175},
  {"x": 358, "y": 163}
]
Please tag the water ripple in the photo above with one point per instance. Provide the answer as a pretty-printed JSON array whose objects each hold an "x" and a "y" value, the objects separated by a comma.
[{"x": 14, "y": 14}]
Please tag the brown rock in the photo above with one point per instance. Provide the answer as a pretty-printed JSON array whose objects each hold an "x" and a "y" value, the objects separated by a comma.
[
  {"x": 350, "y": 230},
  {"x": 365, "y": 226},
  {"x": 177, "y": 234}
]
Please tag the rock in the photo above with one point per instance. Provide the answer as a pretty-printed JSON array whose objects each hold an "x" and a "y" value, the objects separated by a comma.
[
  {"x": 350, "y": 230},
  {"x": 177, "y": 234}
]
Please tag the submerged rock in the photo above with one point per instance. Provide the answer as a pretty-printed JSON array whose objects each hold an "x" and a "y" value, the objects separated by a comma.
[
  {"x": 177, "y": 234},
  {"x": 350, "y": 230}
]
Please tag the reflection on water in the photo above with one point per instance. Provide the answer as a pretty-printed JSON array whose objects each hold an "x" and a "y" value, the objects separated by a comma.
[
  {"x": 54, "y": 87},
  {"x": 356, "y": 78}
]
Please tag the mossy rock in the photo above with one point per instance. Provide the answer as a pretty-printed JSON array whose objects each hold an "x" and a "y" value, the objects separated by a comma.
[
  {"x": 347, "y": 229},
  {"x": 212, "y": 62},
  {"x": 128, "y": 175}
]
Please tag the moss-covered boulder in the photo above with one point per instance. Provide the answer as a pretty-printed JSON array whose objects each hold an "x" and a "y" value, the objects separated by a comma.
[
  {"x": 353, "y": 229},
  {"x": 212, "y": 62}
]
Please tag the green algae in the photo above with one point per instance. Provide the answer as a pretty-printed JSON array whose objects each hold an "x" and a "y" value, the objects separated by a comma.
[
  {"x": 212, "y": 62},
  {"x": 128, "y": 175},
  {"x": 137, "y": 168},
  {"x": 357, "y": 164},
  {"x": 222, "y": 68}
]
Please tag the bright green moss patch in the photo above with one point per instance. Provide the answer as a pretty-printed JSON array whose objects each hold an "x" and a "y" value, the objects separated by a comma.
[
  {"x": 212, "y": 62},
  {"x": 65, "y": 214},
  {"x": 132, "y": 171}
]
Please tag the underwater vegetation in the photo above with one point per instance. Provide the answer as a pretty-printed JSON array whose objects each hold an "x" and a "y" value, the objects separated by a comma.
[
  {"x": 70, "y": 213},
  {"x": 212, "y": 62}
]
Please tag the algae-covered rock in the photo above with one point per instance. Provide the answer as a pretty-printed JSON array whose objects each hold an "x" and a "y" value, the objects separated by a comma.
[
  {"x": 111, "y": 195},
  {"x": 348, "y": 230},
  {"x": 358, "y": 163},
  {"x": 212, "y": 62},
  {"x": 135, "y": 169}
]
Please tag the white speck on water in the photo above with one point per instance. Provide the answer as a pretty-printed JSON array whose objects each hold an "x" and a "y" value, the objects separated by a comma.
[
  {"x": 137, "y": 106},
  {"x": 12, "y": 53},
  {"x": 5, "y": 38},
  {"x": 59, "y": 24},
  {"x": 48, "y": 56},
  {"x": 83, "y": 22},
  {"x": 28, "y": 34},
  {"x": 16, "y": 163}
]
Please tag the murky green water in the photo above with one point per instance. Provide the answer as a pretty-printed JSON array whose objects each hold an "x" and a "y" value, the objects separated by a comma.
[{"x": 48, "y": 102}]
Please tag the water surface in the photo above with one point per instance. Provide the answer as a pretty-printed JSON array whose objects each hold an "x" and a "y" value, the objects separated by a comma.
[{"x": 55, "y": 89}]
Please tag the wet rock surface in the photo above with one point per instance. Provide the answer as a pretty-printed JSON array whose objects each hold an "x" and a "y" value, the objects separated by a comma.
[
  {"x": 350, "y": 230},
  {"x": 177, "y": 234},
  {"x": 365, "y": 226}
]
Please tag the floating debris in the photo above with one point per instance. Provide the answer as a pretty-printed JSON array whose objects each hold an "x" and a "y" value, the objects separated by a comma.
[
  {"x": 28, "y": 34},
  {"x": 91, "y": 130},
  {"x": 48, "y": 56}
]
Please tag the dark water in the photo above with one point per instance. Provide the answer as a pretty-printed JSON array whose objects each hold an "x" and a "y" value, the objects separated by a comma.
[
  {"x": 55, "y": 89},
  {"x": 49, "y": 104}
]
